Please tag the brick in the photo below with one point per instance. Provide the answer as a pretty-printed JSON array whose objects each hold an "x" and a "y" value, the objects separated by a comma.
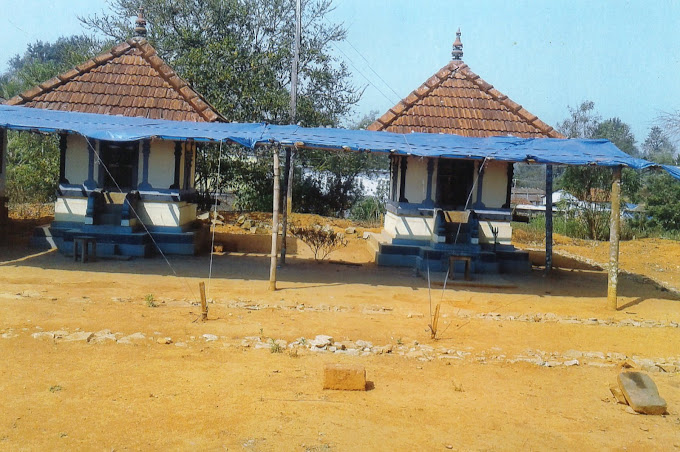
[{"x": 344, "y": 377}]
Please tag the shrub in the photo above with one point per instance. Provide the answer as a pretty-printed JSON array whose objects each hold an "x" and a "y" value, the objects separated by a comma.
[{"x": 322, "y": 241}]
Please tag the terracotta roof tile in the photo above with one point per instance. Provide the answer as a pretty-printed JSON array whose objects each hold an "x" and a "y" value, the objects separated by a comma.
[
  {"x": 456, "y": 100},
  {"x": 130, "y": 79}
]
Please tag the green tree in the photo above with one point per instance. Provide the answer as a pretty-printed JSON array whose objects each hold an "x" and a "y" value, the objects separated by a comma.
[
  {"x": 592, "y": 184},
  {"x": 238, "y": 54},
  {"x": 658, "y": 147},
  {"x": 663, "y": 203},
  {"x": 33, "y": 160}
]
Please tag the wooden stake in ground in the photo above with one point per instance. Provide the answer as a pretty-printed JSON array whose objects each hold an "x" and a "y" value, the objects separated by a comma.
[
  {"x": 275, "y": 221},
  {"x": 614, "y": 223},
  {"x": 204, "y": 304}
]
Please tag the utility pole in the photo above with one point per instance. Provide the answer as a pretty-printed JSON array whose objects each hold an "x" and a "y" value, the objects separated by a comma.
[{"x": 290, "y": 155}]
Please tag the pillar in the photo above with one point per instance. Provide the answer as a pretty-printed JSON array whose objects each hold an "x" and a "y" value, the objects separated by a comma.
[
  {"x": 430, "y": 172},
  {"x": 402, "y": 180},
  {"x": 614, "y": 229},
  {"x": 548, "y": 218},
  {"x": 62, "y": 158},
  {"x": 178, "y": 160},
  {"x": 146, "y": 151},
  {"x": 90, "y": 183}
]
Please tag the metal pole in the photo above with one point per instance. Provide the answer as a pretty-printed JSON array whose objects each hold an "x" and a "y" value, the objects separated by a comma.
[
  {"x": 275, "y": 221},
  {"x": 548, "y": 218},
  {"x": 614, "y": 223}
]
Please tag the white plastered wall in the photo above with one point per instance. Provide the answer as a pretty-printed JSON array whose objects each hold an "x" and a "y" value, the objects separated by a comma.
[
  {"x": 70, "y": 209},
  {"x": 77, "y": 159},
  {"x": 405, "y": 227},
  {"x": 172, "y": 214},
  {"x": 416, "y": 180},
  {"x": 494, "y": 184},
  {"x": 161, "y": 164}
]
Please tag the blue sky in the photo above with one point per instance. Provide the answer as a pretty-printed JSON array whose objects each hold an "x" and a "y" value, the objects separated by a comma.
[{"x": 545, "y": 55}]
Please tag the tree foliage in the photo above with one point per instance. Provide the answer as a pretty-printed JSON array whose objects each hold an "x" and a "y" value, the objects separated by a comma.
[
  {"x": 33, "y": 160},
  {"x": 592, "y": 184},
  {"x": 238, "y": 54},
  {"x": 659, "y": 148}
]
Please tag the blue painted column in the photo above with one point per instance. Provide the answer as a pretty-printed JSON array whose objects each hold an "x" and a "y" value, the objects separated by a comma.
[
  {"x": 430, "y": 171},
  {"x": 90, "y": 183},
  {"x": 146, "y": 151},
  {"x": 480, "y": 183},
  {"x": 178, "y": 160},
  {"x": 402, "y": 181},
  {"x": 62, "y": 159},
  {"x": 188, "y": 157}
]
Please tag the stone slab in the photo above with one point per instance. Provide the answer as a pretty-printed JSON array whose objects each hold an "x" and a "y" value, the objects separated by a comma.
[
  {"x": 344, "y": 377},
  {"x": 641, "y": 393}
]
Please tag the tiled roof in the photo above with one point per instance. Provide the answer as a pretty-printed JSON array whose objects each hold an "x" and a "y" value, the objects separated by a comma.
[
  {"x": 129, "y": 80},
  {"x": 456, "y": 100}
]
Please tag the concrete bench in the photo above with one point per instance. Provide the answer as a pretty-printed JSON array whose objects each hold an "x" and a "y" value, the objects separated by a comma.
[
  {"x": 84, "y": 243},
  {"x": 454, "y": 259}
]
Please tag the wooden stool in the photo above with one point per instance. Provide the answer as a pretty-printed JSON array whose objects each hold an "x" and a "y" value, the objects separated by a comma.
[
  {"x": 466, "y": 259},
  {"x": 84, "y": 245}
]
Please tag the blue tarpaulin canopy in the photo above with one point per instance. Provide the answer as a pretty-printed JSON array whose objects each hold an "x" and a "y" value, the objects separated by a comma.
[{"x": 509, "y": 149}]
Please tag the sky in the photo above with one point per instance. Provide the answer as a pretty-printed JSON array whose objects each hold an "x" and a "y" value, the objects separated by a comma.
[{"x": 544, "y": 55}]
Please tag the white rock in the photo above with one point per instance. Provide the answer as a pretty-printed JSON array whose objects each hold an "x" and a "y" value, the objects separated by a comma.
[
  {"x": 321, "y": 341},
  {"x": 209, "y": 337},
  {"x": 571, "y": 362},
  {"x": 79, "y": 336},
  {"x": 364, "y": 344},
  {"x": 41, "y": 335}
]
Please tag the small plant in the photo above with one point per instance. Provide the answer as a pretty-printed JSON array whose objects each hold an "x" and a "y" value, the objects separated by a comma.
[
  {"x": 458, "y": 387},
  {"x": 150, "y": 302},
  {"x": 55, "y": 388},
  {"x": 321, "y": 240},
  {"x": 400, "y": 341},
  {"x": 303, "y": 341},
  {"x": 261, "y": 332},
  {"x": 275, "y": 347}
]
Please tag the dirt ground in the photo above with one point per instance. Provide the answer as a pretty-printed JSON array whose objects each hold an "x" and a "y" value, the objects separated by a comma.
[{"x": 110, "y": 355}]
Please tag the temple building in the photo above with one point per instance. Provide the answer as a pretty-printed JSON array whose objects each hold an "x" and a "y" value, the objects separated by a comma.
[
  {"x": 127, "y": 194},
  {"x": 445, "y": 205}
]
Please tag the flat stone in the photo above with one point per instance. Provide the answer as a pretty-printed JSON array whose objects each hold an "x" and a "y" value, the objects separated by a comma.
[
  {"x": 321, "y": 341},
  {"x": 79, "y": 336},
  {"x": 43, "y": 335},
  {"x": 209, "y": 337},
  {"x": 135, "y": 337},
  {"x": 350, "y": 230},
  {"x": 164, "y": 340},
  {"x": 571, "y": 362},
  {"x": 641, "y": 393},
  {"x": 344, "y": 377}
]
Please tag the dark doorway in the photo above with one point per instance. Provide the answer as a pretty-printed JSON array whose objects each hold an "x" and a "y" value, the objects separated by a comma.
[
  {"x": 121, "y": 160},
  {"x": 454, "y": 182}
]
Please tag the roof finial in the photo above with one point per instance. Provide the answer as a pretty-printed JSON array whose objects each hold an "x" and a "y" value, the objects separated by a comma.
[
  {"x": 140, "y": 24},
  {"x": 457, "y": 52}
]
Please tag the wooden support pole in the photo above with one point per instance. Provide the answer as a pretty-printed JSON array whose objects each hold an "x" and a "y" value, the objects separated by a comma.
[
  {"x": 204, "y": 304},
  {"x": 275, "y": 221},
  {"x": 287, "y": 201},
  {"x": 548, "y": 218},
  {"x": 614, "y": 229}
]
